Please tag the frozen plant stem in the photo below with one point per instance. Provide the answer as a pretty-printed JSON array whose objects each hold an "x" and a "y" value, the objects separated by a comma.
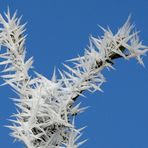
[{"x": 46, "y": 110}]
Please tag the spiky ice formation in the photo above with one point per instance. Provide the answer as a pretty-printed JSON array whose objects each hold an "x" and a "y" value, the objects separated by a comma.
[{"x": 46, "y": 110}]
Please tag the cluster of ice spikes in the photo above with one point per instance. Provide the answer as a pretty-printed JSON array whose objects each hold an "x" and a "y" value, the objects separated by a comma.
[{"x": 46, "y": 108}]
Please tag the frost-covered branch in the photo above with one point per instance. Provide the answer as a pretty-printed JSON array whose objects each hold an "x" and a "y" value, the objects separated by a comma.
[{"x": 46, "y": 108}]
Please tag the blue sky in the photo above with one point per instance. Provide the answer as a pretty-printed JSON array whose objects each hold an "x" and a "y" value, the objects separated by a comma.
[{"x": 59, "y": 30}]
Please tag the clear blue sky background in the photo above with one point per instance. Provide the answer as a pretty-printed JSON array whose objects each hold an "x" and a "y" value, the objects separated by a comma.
[{"x": 59, "y": 30}]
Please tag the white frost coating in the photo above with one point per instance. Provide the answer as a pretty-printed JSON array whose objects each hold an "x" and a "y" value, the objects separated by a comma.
[{"x": 46, "y": 110}]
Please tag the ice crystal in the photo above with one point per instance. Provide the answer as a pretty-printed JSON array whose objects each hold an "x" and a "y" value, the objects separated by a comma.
[{"x": 46, "y": 108}]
